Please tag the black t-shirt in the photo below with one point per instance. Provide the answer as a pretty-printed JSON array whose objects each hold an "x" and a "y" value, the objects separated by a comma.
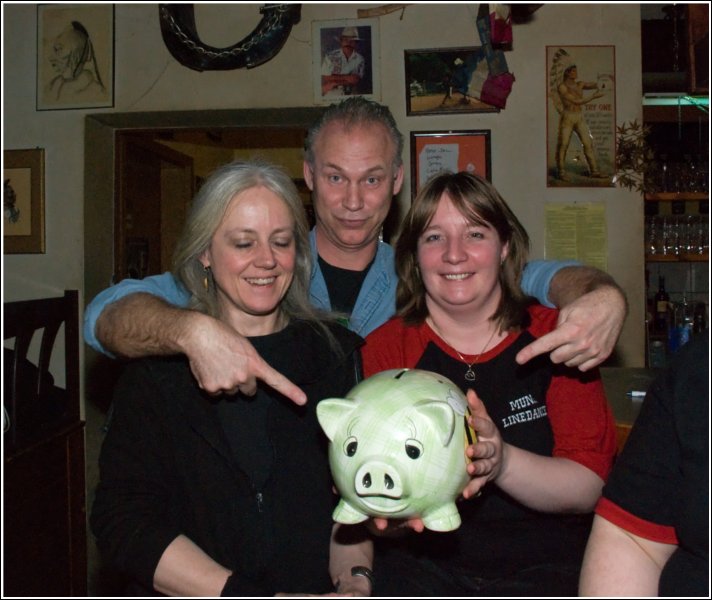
[
  {"x": 245, "y": 419},
  {"x": 498, "y": 534},
  {"x": 662, "y": 475},
  {"x": 343, "y": 285}
]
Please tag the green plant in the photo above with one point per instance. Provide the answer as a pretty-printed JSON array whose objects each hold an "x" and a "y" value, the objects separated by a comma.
[{"x": 636, "y": 166}]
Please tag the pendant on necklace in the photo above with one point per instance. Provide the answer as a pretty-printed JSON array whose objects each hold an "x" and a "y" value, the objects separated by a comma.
[{"x": 470, "y": 374}]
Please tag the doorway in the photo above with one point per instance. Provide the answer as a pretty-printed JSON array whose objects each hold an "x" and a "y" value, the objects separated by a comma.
[{"x": 154, "y": 187}]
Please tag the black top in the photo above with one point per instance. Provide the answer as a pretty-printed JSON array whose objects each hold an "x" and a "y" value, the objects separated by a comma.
[
  {"x": 171, "y": 465},
  {"x": 498, "y": 534},
  {"x": 662, "y": 475},
  {"x": 344, "y": 285}
]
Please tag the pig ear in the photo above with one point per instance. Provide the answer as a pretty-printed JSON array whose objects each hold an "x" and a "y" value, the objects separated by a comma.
[
  {"x": 331, "y": 413},
  {"x": 442, "y": 416}
]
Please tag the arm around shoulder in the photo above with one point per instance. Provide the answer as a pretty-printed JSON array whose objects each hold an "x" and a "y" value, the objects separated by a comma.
[
  {"x": 163, "y": 286},
  {"x": 537, "y": 277},
  {"x": 572, "y": 282},
  {"x": 142, "y": 324},
  {"x": 592, "y": 308}
]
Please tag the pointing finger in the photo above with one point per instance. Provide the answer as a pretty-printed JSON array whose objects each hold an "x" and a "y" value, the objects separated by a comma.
[
  {"x": 279, "y": 382},
  {"x": 543, "y": 345}
]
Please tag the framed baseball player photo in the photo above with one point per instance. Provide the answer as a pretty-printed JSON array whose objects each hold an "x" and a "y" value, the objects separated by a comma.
[
  {"x": 345, "y": 60},
  {"x": 442, "y": 81}
]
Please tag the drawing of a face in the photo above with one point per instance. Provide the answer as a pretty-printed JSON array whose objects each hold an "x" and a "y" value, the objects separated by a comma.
[{"x": 68, "y": 53}]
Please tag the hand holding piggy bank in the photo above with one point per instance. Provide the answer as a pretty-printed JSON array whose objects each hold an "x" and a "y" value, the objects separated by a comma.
[{"x": 398, "y": 448}]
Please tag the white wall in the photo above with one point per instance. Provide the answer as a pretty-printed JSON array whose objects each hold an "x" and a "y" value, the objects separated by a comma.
[{"x": 149, "y": 79}]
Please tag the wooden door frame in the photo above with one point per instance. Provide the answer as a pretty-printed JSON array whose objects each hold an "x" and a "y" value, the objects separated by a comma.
[{"x": 143, "y": 139}]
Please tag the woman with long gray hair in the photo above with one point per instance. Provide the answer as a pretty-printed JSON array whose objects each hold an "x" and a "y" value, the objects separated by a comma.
[{"x": 231, "y": 494}]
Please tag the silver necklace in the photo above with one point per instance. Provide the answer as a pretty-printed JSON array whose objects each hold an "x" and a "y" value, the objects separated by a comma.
[{"x": 470, "y": 374}]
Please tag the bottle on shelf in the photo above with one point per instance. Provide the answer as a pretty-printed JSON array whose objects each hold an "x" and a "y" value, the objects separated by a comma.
[
  {"x": 703, "y": 224},
  {"x": 690, "y": 181},
  {"x": 680, "y": 326},
  {"x": 699, "y": 319},
  {"x": 649, "y": 307},
  {"x": 663, "y": 183},
  {"x": 702, "y": 174},
  {"x": 661, "y": 303},
  {"x": 656, "y": 356}
]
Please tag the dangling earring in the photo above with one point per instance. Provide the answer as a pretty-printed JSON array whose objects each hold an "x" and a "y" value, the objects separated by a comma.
[{"x": 206, "y": 279}]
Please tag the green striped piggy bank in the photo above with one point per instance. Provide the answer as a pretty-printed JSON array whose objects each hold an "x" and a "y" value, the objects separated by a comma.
[{"x": 397, "y": 448}]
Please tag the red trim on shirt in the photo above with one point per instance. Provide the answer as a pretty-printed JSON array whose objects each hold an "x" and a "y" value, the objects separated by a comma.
[
  {"x": 665, "y": 534},
  {"x": 581, "y": 420}
]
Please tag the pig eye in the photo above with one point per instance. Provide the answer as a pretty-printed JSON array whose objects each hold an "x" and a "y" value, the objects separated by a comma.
[
  {"x": 413, "y": 448},
  {"x": 350, "y": 446}
]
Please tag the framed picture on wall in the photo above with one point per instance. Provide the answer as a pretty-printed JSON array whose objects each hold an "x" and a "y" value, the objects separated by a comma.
[
  {"x": 434, "y": 151},
  {"x": 75, "y": 56},
  {"x": 23, "y": 201},
  {"x": 580, "y": 116},
  {"x": 345, "y": 60},
  {"x": 442, "y": 81}
]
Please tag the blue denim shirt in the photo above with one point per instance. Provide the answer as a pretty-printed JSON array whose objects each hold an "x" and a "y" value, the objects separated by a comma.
[
  {"x": 376, "y": 303},
  {"x": 537, "y": 276}
]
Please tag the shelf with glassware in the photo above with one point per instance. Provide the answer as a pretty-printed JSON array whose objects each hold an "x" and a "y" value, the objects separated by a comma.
[
  {"x": 676, "y": 211},
  {"x": 676, "y": 257},
  {"x": 677, "y": 227}
]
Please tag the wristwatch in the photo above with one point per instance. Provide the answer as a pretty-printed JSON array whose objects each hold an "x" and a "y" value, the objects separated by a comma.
[{"x": 364, "y": 572}]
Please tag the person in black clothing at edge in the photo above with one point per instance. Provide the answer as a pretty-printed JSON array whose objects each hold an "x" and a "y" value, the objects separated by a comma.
[
  {"x": 650, "y": 534},
  {"x": 231, "y": 495}
]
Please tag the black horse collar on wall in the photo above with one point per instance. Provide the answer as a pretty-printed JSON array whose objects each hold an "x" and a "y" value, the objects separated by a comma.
[{"x": 265, "y": 41}]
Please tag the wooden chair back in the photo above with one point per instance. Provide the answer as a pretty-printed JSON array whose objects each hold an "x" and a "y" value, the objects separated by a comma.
[{"x": 22, "y": 320}]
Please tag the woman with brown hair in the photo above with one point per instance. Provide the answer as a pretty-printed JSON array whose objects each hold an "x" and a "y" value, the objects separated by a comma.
[{"x": 546, "y": 434}]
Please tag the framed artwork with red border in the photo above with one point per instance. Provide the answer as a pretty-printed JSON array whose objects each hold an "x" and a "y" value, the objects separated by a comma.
[{"x": 432, "y": 152}]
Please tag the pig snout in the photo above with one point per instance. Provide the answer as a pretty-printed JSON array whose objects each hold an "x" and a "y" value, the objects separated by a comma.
[{"x": 376, "y": 478}]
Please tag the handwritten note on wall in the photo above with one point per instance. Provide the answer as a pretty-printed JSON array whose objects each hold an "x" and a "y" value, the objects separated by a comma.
[
  {"x": 434, "y": 158},
  {"x": 577, "y": 231}
]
